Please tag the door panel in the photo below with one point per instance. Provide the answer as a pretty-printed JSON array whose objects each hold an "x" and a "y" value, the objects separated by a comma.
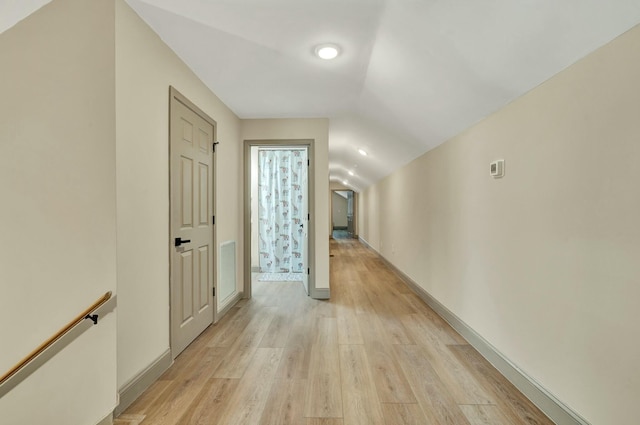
[
  {"x": 186, "y": 283},
  {"x": 203, "y": 183},
  {"x": 191, "y": 164},
  {"x": 204, "y": 141},
  {"x": 203, "y": 264},
  {"x": 186, "y": 196}
]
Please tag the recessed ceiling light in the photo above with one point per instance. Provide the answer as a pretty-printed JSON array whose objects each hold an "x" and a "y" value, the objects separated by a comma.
[
  {"x": 327, "y": 51},
  {"x": 362, "y": 152},
  {"x": 351, "y": 173}
]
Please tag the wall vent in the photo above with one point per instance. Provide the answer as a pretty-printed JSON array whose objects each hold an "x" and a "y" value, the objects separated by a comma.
[{"x": 227, "y": 286}]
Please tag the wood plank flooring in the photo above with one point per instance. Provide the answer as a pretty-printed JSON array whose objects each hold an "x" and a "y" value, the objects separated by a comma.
[{"x": 373, "y": 354}]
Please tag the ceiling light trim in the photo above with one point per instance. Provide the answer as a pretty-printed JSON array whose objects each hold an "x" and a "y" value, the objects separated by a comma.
[{"x": 327, "y": 51}]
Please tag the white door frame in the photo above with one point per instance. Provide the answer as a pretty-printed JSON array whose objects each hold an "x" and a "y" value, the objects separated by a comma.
[
  {"x": 355, "y": 210},
  {"x": 175, "y": 94},
  {"x": 311, "y": 258}
]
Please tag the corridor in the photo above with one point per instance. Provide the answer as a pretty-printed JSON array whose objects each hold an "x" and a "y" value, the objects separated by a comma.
[{"x": 373, "y": 354}]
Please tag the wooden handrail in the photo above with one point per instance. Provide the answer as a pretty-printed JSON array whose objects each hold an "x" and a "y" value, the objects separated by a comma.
[{"x": 35, "y": 353}]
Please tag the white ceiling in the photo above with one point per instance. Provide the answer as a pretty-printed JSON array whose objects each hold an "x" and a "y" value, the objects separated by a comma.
[
  {"x": 13, "y": 11},
  {"x": 413, "y": 73}
]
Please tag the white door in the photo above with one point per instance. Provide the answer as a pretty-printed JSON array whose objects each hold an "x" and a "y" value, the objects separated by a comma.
[{"x": 191, "y": 177}]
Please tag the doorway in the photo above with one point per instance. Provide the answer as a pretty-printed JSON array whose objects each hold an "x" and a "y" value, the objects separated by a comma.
[
  {"x": 278, "y": 201},
  {"x": 343, "y": 213},
  {"x": 192, "y": 196}
]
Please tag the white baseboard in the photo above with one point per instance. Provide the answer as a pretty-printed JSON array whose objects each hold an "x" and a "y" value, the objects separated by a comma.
[
  {"x": 320, "y": 293},
  {"x": 136, "y": 386},
  {"x": 550, "y": 405},
  {"x": 107, "y": 421},
  {"x": 237, "y": 297}
]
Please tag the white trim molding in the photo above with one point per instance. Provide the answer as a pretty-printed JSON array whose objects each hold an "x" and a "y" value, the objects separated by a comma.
[
  {"x": 136, "y": 386},
  {"x": 108, "y": 420},
  {"x": 320, "y": 293},
  {"x": 224, "y": 310}
]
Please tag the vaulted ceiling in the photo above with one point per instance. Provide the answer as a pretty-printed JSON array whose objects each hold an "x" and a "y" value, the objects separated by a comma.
[{"x": 411, "y": 74}]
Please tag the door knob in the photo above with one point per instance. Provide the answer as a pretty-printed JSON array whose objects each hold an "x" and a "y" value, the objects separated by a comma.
[{"x": 180, "y": 241}]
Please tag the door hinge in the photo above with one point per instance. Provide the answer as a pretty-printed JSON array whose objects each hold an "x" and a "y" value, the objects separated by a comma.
[
  {"x": 214, "y": 291},
  {"x": 308, "y": 217},
  {"x": 308, "y": 270},
  {"x": 308, "y": 162},
  {"x": 213, "y": 219},
  {"x": 214, "y": 146}
]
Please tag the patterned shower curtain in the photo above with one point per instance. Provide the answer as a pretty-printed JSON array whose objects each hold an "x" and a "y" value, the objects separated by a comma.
[{"x": 282, "y": 205}]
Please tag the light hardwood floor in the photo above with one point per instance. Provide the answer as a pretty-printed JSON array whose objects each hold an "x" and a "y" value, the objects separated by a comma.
[{"x": 373, "y": 354}]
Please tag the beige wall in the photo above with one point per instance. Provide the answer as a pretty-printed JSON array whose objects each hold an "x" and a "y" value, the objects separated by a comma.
[
  {"x": 58, "y": 216},
  {"x": 318, "y": 130},
  {"x": 543, "y": 263},
  {"x": 145, "y": 68}
]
